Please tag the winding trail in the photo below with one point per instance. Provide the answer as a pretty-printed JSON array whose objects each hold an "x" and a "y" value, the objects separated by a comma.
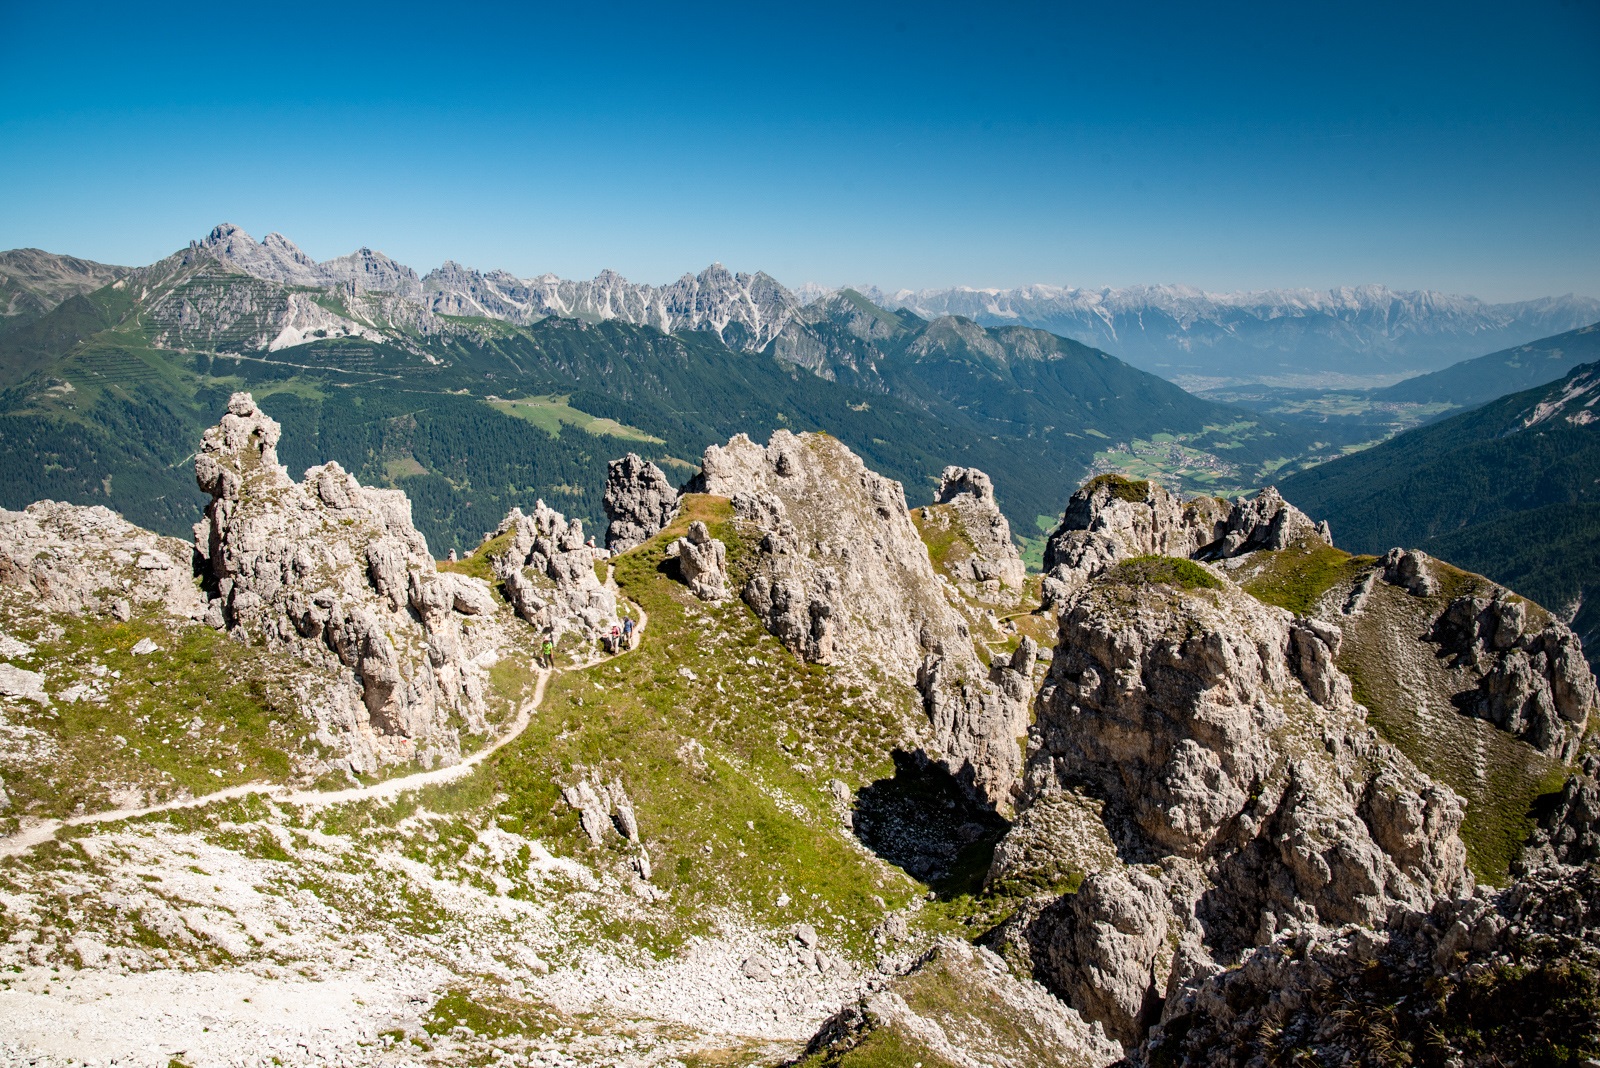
[{"x": 46, "y": 830}]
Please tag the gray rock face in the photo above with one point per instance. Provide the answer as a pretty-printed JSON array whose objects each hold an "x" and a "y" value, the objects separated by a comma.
[
  {"x": 336, "y": 573},
  {"x": 994, "y": 561},
  {"x": 1223, "y": 743},
  {"x": 1103, "y": 952},
  {"x": 843, "y": 577},
  {"x": 1111, "y": 519},
  {"x": 76, "y": 559},
  {"x": 548, "y": 574},
  {"x": 639, "y": 502},
  {"x": 985, "y": 1016},
  {"x": 1535, "y": 683},
  {"x": 1484, "y": 961},
  {"x": 702, "y": 563},
  {"x": 1569, "y": 832}
]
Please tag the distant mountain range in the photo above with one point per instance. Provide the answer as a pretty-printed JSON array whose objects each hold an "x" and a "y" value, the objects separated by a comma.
[
  {"x": 1474, "y": 382},
  {"x": 1182, "y": 331},
  {"x": 1178, "y": 332}
]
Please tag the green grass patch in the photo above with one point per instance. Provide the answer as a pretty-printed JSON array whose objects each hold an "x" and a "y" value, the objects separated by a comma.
[
  {"x": 1122, "y": 488},
  {"x": 552, "y": 413},
  {"x": 1171, "y": 571},
  {"x": 477, "y": 563},
  {"x": 201, "y": 713},
  {"x": 725, "y": 742},
  {"x": 1297, "y": 577}
]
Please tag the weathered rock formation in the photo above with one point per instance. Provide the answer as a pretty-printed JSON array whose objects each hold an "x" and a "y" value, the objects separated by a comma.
[
  {"x": 74, "y": 559},
  {"x": 1568, "y": 832},
  {"x": 547, "y": 571},
  {"x": 1111, "y": 519},
  {"x": 991, "y": 560},
  {"x": 1535, "y": 682},
  {"x": 843, "y": 577},
  {"x": 702, "y": 563},
  {"x": 335, "y": 572},
  {"x": 1223, "y": 743},
  {"x": 1474, "y": 981},
  {"x": 1408, "y": 569},
  {"x": 639, "y": 502}
]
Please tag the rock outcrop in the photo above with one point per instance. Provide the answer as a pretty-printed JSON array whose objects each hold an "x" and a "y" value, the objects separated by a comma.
[
  {"x": 991, "y": 560},
  {"x": 1223, "y": 743},
  {"x": 843, "y": 577},
  {"x": 1408, "y": 569},
  {"x": 1535, "y": 683},
  {"x": 958, "y": 1005},
  {"x": 1480, "y": 980},
  {"x": 639, "y": 502},
  {"x": 336, "y": 573},
  {"x": 1111, "y": 519},
  {"x": 547, "y": 571},
  {"x": 702, "y": 563},
  {"x": 75, "y": 559}
]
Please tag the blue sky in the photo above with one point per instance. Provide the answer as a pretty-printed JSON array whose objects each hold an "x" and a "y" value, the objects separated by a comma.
[{"x": 1451, "y": 147}]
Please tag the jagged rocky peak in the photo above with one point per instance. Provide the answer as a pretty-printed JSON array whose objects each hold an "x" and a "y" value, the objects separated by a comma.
[
  {"x": 335, "y": 572},
  {"x": 639, "y": 502},
  {"x": 547, "y": 568},
  {"x": 1112, "y": 518},
  {"x": 969, "y": 509},
  {"x": 1242, "y": 790},
  {"x": 843, "y": 577}
]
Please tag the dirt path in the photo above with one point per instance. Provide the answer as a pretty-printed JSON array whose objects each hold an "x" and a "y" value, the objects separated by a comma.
[{"x": 45, "y": 830}]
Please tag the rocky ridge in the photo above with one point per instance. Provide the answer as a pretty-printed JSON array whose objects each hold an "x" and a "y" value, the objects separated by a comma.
[
  {"x": 842, "y": 577},
  {"x": 745, "y": 310},
  {"x": 1199, "y": 761}
]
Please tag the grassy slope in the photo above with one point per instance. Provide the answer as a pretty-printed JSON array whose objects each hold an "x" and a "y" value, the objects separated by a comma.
[
  {"x": 725, "y": 743},
  {"x": 1406, "y": 689}
]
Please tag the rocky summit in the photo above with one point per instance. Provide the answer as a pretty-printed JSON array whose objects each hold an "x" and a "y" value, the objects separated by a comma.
[{"x": 784, "y": 768}]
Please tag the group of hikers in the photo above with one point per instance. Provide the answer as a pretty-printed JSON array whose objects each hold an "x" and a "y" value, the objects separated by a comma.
[{"x": 620, "y": 638}]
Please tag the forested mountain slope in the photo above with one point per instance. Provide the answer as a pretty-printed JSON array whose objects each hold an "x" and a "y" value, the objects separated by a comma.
[
  {"x": 1473, "y": 382},
  {"x": 1510, "y": 489}
]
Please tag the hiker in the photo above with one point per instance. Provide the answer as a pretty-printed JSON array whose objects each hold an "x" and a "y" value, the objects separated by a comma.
[
  {"x": 547, "y": 653},
  {"x": 627, "y": 631},
  {"x": 616, "y": 639}
]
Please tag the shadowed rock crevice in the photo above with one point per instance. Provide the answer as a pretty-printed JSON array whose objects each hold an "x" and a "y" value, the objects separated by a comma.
[{"x": 923, "y": 822}]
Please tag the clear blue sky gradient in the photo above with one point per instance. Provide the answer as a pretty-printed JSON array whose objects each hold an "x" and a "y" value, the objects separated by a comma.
[{"x": 1449, "y": 147}]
